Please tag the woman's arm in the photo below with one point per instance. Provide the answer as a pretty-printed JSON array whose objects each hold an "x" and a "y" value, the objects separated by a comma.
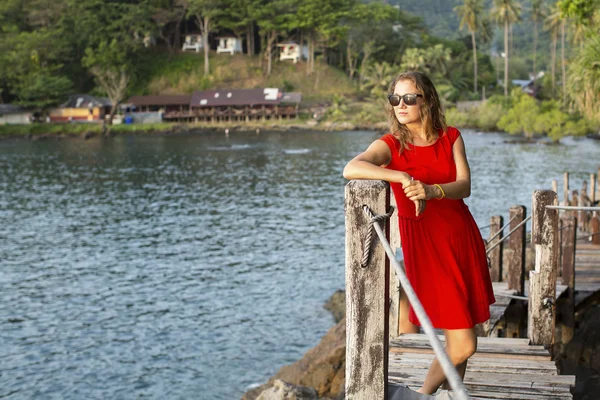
[
  {"x": 459, "y": 189},
  {"x": 370, "y": 163}
]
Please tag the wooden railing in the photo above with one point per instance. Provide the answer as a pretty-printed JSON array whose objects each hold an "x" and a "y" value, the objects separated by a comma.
[{"x": 372, "y": 294}]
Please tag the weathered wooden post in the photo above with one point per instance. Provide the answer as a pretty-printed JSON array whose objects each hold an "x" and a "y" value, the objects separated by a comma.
[
  {"x": 593, "y": 188},
  {"x": 567, "y": 306},
  {"x": 542, "y": 281},
  {"x": 516, "y": 250},
  {"x": 565, "y": 189},
  {"x": 395, "y": 289},
  {"x": 595, "y": 228},
  {"x": 582, "y": 216},
  {"x": 367, "y": 293},
  {"x": 496, "y": 223},
  {"x": 574, "y": 203},
  {"x": 555, "y": 186}
]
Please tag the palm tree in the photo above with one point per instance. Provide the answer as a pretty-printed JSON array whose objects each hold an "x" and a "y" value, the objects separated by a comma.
[
  {"x": 538, "y": 12},
  {"x": 506, "y": 12},
  {"x": 470, "y": 13},
  {"x": 584, "y": 79},
  {"x": 552, "y": 24}
]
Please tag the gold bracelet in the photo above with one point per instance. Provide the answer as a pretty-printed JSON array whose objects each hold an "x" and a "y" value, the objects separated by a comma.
[{"x": 441, "y": 190}]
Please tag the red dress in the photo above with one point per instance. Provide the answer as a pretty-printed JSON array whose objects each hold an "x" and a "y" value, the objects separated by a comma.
[{"x": 444, "y": 253}]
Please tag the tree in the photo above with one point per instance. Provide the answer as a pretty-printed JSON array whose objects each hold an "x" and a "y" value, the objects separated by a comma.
[
  {"x": 584, "y": 70},
  {"x": 167, "y": 16},
  {"x": 538, "y": 12},
  {"x": 206, "y": 13},
  {"x": 109, "y": 64},
  {"x": 321, "y": 20},
  {"x": 238, "y": 17},
  {"x": 32, "y": 69},
  {"x": 506, "y": 12},
  {"x": 470, "y": 16},
  {"x": 431, "y": 60},
  {"x": 553, "y": 23},
  {"x": 366, "y": 25},
  {"x": 275, "y": 18}
]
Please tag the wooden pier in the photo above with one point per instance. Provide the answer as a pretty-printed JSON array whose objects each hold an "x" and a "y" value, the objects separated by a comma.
[{"x": 534, "y": 309}]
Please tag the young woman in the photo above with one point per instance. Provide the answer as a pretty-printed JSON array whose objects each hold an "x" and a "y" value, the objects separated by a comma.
[{"x": 444, "y": 254}]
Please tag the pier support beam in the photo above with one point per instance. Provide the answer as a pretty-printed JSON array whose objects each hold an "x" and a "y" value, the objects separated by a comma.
[
  {"x": 542, "y": 281},
  {"x": 367, "y": 294}
]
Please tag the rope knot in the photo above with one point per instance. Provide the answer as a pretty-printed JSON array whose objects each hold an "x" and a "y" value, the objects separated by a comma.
[{"x": 369, "y": 238}]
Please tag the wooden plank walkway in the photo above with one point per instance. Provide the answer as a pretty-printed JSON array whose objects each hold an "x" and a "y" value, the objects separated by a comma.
[
  {"x": 502, "y": 368},
  {"x": 587, "y": 267}
]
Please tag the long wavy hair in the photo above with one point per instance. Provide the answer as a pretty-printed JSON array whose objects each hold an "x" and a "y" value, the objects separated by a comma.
[{"x": 432, "y": 116}]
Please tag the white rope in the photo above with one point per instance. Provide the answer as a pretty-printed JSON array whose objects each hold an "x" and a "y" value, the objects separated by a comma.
[
  {"x": 573, "y": 208},
  {"x": 501, "y": 229},
  {"x": 507, "y": 235},
  {"x": 449, "y": 370}
]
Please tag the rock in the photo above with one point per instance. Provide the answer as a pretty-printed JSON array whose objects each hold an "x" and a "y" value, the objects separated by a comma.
[
  {"x": 86, "y": 135},
  {"x": 285, "y": 391},
  {"x": 311, "y": 122},
  {"x": 336, "y": 305},
  {"x": 322, "y": 367}
]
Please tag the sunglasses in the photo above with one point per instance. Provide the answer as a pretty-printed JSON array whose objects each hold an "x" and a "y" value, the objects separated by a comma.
[{"x": 410, "y": 99}]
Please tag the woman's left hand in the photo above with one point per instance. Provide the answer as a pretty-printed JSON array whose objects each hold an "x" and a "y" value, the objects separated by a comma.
[{"x": 417, "y": 190}]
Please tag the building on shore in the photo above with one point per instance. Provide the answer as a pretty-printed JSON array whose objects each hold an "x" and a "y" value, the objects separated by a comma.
[
  {"x": 81, "y": 108},
  {"x": 219, "y": 105},
  {"x": 153, "y": 109},
  {"x": 12, "y": 114}
]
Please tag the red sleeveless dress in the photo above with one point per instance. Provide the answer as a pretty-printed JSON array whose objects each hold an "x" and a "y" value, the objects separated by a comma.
[{"x": 444, "y": 253}]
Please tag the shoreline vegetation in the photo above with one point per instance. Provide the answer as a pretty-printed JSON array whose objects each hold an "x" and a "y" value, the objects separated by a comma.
[
  {"x": 331, "y": 102},
  {"x": 518, "y": 115}
]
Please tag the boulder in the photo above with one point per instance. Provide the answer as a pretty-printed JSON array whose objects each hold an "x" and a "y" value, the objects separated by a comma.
[
  {"x": 322, "y": 367},
  {"x": 336, "y": 305},
  {"x": 285, "y": 391}
]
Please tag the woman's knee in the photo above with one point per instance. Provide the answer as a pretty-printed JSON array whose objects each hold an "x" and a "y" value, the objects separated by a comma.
[{"x": 461, "y": 347}]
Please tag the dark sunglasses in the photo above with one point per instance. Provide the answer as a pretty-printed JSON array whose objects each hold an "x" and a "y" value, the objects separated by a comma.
[{"x": 410, "y": 99}]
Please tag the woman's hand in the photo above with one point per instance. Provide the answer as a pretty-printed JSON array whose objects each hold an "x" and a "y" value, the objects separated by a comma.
[
  {"x": 417, "y": 190},
  {"x": 420, "y": 206}
]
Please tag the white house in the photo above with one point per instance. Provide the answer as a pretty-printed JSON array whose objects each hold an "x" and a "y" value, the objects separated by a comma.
[
  {"x": 229, "y": 44},
  {"x": 11, "y": 114},
  {"x": 192, "y": 42},
  {"x": 292, "y": 51}
]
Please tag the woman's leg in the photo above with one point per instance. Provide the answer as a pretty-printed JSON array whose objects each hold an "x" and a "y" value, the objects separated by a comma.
[
  {"x": 405, "y": 325},
  {"x": 460, "y": 345}
]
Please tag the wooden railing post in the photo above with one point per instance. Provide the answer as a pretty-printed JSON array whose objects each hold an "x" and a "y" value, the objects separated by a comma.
[
  {"x": 595, "y": 228},
  {"x": 555, "y": 185},
  {"x": 395, "y": 289},
  {"x": 566, "y": 189},
  {"x": 567, "y": 261},
  {"x": 593, "y": 188},
  {"x": 516, "y": 250},
  {"x": 574, "y": 203},
  {"x": 366, "y": 295},
  {"x": 584, "y": 201},
  {"x": 569, "y": 234},
  {"x": 542, "y": 281},
  {"x": 496, "y": 223}
]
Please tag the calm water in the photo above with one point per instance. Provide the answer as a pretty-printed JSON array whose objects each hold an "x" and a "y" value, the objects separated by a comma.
[{"x": 193, "y": 266}]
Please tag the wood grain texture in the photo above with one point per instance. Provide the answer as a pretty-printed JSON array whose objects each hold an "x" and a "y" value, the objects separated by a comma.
[{"x": 367, "y": 291}]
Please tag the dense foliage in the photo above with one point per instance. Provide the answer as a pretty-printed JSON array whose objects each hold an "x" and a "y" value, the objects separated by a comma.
[{"x": 471, "y": 48}]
